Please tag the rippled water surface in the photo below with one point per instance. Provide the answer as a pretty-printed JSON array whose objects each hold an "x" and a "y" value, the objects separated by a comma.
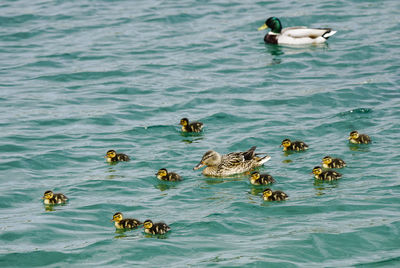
[{"x": 79, "y": 78}]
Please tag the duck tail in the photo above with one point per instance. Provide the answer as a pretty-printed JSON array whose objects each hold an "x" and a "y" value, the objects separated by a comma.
[
  {"x": 328, "y": 34},
  {"x": 264, "y": 159},
  {"x": 249, "y": 154}
]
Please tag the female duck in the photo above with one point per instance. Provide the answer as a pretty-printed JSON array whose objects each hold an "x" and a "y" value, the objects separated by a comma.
[
  {"x": 50, "y": 198},
  {"x": 328, "y": 175},
  {"x": 190, "y": 127},
  {"x": 164, "y": 175},
  {"x": 112, "y": 156},
  {"x": 269, "y": 195},
  {"x": 155, "y": 228},
  {"x": 261, "y": 179},
  {"x": 358, "y": 138},
  {"x": 329, "y": 162},
  {"x": 230, "y": 164},
  {"x": 299, "y": 35},
  {"x": 289, "y": 145},
  {"x": 121, "y": 223}
]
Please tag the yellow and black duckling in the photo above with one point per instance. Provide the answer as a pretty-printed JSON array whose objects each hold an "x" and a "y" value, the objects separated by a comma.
[
  {"x": 269, "y": 195},
  {"x": 328, "y": 175},
  {"x": 155, "y": 228},
  {"x": 112, "y": 156},
  {"x": 50, "y": 198},
  {"x": 289, "y": 145},
  {"x": 329, "y": 162},
  {"x": 190, "y": 127},
  {"x": 230, "y": 164},
  {"x": 299, "y": 35},
  {"x": 164, "y": 175},
  {"x": 261, "y": 179},
  {"x": 121, "y": 223},
  {"x": 358, "y": 138}
]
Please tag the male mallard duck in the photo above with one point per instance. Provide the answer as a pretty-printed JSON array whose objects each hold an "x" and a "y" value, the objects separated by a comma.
[
  {"x": 289, "y": 145},
  {"x": 230, "y": 164},
  {"x": 190, "y": 127},
  {"x": 112, "y": 156},
  {"x": 164, "y": 175},
  {"x": 329, "y": 162},
  {"x": 269, "y": 195},
  {"x": 328, "y": 175},
  {"x": 299, "y": 35},
  {"x": 357, "y": 138},
  {"x": 258, "y": 179},
  {"x": 155, "y": 228},
  {"x": 121, "y": 223},
  {"x": 50, "y": 198}
]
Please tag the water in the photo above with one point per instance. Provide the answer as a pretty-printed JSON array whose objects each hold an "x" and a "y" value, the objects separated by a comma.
[{"x": 81, "y": 77}]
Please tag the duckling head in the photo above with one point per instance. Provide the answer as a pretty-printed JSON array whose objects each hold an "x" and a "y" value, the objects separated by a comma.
[
  {"x": 286, "y": 143},
  {"x": 48, "y": 195},
  {"x": 273, "y": 23},
  {"x": 353, "y": 135},
  {"x": 184, "y": 122},
  {"x": 111, "y": 154},
  {"x": 317, "y": 170},
  {"x": 327, "y": 160},
  {"x": 117, "y": 217},
  {"x": 162, "y": 173},
  {"x": 148, "y": 224},
  {"x": 210, "y": 158},
  {"x": 267, "y": 193},
  {"x": 254, "y": 176}
]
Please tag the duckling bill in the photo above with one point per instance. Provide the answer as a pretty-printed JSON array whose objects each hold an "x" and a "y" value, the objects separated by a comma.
[
  {"x": 158, "y": 228},
  {"x": 164, "y": 175},
  {"x": 121, "y": 223},
  {"x": 269, "y": 195},
  {"x": 113, "y": 156},
  {"x": 328, "y": 175},
  {"x": 358, "y": 138},
  {"x": 289, "y": 145},
  {"x": 329, "y": 162},
  {"x": 191, "y": 127},
  {"x": 50, "y": 198},
  {"x": 261, "y": 179}
]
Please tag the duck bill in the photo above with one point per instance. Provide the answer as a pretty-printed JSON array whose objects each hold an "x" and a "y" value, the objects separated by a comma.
[
  {"x": 349, "y": 138},
  {"x": 263, "y": 27},
  {"x": 199, "y": 165}
]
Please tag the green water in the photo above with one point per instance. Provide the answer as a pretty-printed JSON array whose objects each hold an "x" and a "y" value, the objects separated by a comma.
[{"x": 79, "y": 78}]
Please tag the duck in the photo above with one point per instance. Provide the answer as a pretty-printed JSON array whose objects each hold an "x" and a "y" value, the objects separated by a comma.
[
  {"x": 261, "y": 179},
  {"x": 113, "y": 156},
  {"x": 164, "y": 175},
  {"x": 329, "y": 162},
  {"x": 231, "y": 163},
  {"x": 289, "y": 145},
  {"x": 328, "y": 175},
  {"x": 155, "y": 228},
  {"x": 121, "y": 223},
  {"x": 50, "y": 198},
  {"x": 269, "y": 195},
  {"x": 191, "y": 127},
  {"x": 358, "y": 138},
  {"x": 298, "y": 35}
]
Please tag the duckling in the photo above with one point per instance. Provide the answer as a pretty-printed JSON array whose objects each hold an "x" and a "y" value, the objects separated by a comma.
[
  {"x": 328, "y": 175},
  {"x": 357, "y": 138},
  {"x": 230, "y": 164},
  {"x": 50, "y": 198},
  {"x": 155, "y": 228},
  {"x": 164, "y": 175},
  {"x": 191, "y": 127},
  {"x": 257, "y": 179},
  {"x": 298, "y": 35},
  {"x": 329, "y": 162},
  {"x": 269, "y": 195},
  {"x": 112, "y": 156},
  {"x": 121, "y": 223},
  {"x": 289, "y": 145}
]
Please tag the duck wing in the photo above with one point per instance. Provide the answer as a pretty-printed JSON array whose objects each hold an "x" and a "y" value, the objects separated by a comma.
[{"x": 302, "y": 32}]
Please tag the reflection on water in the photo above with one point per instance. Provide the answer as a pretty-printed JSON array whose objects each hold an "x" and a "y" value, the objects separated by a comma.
[
  {"x": 163, "y": 186},
  {"x": 358, "y": 147},
  {"x": 257, "y": 190},
  {"x": 322, "y": 186}
]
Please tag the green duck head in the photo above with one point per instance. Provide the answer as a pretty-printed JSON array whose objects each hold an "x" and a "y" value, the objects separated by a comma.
[{"x": 273, "y": 23}]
